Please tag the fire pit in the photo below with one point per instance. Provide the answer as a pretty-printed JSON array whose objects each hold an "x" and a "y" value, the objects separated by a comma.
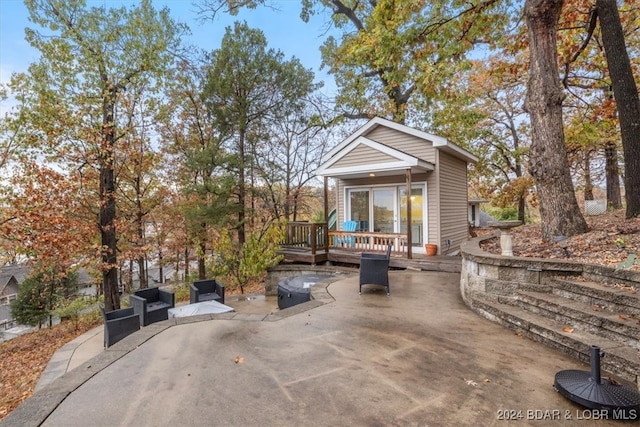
[{"x": 296, "y": 290}]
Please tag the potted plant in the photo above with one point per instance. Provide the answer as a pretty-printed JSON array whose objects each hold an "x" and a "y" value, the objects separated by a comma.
[{"x": 431, "y": 249}]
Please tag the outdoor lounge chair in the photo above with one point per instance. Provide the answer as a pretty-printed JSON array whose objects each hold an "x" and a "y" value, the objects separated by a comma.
[
  {"x": 206, "y": 290},
  {"x": 152, "y": 304},
  {"x": 346, "y": 241},
  {"x": 118, "y": 324},
  {"x": 374, "y": 269}
]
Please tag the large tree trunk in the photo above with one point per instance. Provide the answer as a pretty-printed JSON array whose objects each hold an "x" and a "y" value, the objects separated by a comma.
[
  {"x": 549, "y": 166},
  {"x": 108, "y": 206},
  {"x": 614, "y": 198},
  {"x": 625, "y": 92}
]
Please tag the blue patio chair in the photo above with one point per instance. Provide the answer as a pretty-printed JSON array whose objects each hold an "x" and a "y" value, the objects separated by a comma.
[{"x": 347, "y": 241}]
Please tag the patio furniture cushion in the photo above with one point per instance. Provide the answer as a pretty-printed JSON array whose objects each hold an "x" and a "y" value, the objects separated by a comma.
[
  {"x": 206, "y": 290},
  {"x": 152, "y": 304}
]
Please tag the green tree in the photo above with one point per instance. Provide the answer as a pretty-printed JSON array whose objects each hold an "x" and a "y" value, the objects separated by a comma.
[
  {"x": 89, "y": 57},
  {"x": 393, "y": 57},
  {"x": 390, "y": 52},
  {"x": 196, "y": 160},
  {"x": 39, "y": 295},
  {"x": 246, "y": 86},
  {"x": 242, "y": 265}
]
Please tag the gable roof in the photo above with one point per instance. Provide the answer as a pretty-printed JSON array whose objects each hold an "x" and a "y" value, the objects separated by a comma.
[
  {"x": 391, "y": 161},
  {"x": 438, "y": 141}
]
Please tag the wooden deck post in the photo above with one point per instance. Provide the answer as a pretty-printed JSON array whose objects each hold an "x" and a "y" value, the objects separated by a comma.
[
  {"x": 326, "y": 212},
  {"x": 409, "y": 219}
]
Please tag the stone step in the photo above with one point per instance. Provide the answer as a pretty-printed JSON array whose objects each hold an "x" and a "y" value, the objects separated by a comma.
[
  {"x": 616, "y": 299},
  {"x": 620, "y": 360},
  {"x": 619, "y": 327}
]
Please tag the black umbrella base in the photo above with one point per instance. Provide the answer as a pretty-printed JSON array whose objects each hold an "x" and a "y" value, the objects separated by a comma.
[{"x": 612, "y": 401}]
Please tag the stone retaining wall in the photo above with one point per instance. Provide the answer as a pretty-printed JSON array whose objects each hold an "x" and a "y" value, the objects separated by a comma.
[{"x": 490, "y": 275}]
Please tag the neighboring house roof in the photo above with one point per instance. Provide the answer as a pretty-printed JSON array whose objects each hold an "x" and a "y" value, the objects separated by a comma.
[
  {"x": 19, "y": 272},
  {"x": 437, "y": 141}
]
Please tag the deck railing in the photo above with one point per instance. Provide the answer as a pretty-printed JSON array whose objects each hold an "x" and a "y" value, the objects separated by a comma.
[
  {"x": 368, "y": 241},
  {"x": 307, "y": 235},
  {"x": 317, "y": 237}
]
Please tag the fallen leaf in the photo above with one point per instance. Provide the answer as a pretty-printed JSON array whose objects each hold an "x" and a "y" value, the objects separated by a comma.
[
  {"x": 568, "y": 329},
  {"x": 239, "y": 359}
]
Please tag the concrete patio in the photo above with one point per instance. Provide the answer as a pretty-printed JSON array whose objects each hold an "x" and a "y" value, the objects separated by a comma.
[{"x": 417, "y": 357}]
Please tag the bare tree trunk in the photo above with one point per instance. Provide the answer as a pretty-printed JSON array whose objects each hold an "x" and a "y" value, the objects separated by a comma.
[
  {"x": 142, "y": 273},
  {"x": 521, "y": 208},
  {"x": 202, "y": 271},
  {"x": 108, "y": 205},
  {"x": 588, "y": 183},
  {"x": 549, "y": 166},
  {"x": 186, "y": 263},
  {"x": 625, "y": 92},
  {"x": 160, "y": 266},
  {"x": 614, "y": 198},
  {"x": 241, "y": 188}
]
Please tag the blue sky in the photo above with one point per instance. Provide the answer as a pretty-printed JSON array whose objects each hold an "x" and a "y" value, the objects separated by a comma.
[{"x": 281, "y": 24}]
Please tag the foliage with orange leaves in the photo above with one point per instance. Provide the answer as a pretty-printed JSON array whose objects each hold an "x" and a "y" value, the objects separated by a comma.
[{"x": 43, "y": 219}]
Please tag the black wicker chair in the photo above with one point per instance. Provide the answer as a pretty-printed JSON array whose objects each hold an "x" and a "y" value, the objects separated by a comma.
[
  {"x": 118, "y": 324},
  {"x": 374, "y": 269},
  {"x": 206, "y": 290},
  {"x": 152, "y": 304}
]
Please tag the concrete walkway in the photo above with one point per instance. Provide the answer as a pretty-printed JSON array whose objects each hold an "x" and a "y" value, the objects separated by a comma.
[{"x": 417, "y": 357}]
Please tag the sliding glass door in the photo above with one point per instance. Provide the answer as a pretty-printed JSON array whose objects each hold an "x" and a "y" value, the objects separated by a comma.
[
  {"x": 384, "y": 210},
  {"x": 384, "y": 218}
]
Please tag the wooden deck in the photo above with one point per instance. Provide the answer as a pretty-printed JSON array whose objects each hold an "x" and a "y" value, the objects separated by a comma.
[
  {"x": 313, "y": 243},
  {"x": 451, "y": 264}
]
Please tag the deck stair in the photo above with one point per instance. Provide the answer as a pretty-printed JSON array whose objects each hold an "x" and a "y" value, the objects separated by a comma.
[{"x": 570, "y": 314}]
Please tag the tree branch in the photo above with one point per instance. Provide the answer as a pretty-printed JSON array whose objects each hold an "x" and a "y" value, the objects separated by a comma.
[{"x": 593, "y": 18}]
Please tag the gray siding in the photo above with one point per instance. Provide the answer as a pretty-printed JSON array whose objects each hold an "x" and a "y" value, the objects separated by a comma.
[
  {"x": 409, "y": 144},
  {"x": 363, "y": 155},
  {"x": 453, "y": 201}
]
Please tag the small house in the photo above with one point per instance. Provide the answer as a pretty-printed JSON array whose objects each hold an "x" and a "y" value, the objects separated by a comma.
[{"x": 401, "y": 186}]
